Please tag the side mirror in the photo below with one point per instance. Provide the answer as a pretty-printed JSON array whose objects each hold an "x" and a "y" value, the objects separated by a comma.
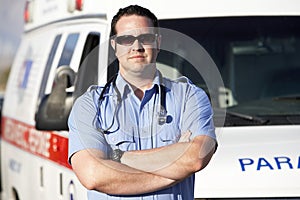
[{"x": 54, "y": 109}]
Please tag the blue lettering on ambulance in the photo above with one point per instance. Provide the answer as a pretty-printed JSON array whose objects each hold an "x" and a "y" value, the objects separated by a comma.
[
  {"x": 278, "y": 163},
  {"x": 244, "y": 162},
  {"x": 262, "y": 162},
  {"x": 283, "y": 160},
  {"x": 27, "y": 68},
  {"x": 15, "y": 166}
]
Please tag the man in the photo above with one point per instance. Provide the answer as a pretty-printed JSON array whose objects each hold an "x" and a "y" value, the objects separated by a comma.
[{"x": 142, "y": 136}]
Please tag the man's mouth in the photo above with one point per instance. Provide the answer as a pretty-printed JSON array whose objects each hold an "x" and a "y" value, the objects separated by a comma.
[{"x": 136, "y": 57}]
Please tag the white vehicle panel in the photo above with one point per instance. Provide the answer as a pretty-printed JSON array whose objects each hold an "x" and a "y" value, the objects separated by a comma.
[{"x": 259, "y": 161}]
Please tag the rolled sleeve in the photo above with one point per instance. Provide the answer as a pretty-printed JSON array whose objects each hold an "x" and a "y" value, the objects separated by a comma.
[
  {"x": 83, "y": 133},
  {"x": 198, "y": 113}
]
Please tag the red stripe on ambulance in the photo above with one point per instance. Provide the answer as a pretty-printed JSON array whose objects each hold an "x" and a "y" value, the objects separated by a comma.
[{"x": 45, "y": 144}]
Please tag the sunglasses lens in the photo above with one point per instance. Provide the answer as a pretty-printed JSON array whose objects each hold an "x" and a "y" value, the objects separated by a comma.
[
  {"x": 128, "y": 40},
  {"x": 147, "y": 38}
]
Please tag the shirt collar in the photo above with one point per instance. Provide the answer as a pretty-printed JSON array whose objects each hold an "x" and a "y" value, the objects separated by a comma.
[{"x": 123, "y": 85}]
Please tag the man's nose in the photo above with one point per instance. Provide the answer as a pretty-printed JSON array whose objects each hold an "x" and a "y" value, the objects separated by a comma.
[{"x": 137, "y": 45}]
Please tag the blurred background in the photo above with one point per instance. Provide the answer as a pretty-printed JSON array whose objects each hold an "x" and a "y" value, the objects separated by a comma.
[{"x": 11, "y": 28}]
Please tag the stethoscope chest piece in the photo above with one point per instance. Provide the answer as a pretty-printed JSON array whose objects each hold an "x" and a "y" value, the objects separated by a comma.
[{"x": 162, "y": 115}]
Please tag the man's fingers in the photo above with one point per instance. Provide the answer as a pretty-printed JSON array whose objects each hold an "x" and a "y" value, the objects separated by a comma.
[{"x": 185, "y": 137}]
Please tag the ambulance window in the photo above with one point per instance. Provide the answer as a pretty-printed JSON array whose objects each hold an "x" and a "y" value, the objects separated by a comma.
[
  {"x": 88, "y": 68},
  {"x": 68, "y": 50},
  {"x": 48, "y": 65}
]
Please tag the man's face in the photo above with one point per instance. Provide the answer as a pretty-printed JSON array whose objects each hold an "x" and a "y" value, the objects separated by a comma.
[{"x": 136, "y": 45}]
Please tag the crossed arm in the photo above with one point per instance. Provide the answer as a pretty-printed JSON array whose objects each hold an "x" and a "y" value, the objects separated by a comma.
[{"x": 143, "y": 171}]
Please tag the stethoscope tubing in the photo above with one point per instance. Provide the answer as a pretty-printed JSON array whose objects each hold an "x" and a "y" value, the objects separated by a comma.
[{"x": 162, "y": 113}]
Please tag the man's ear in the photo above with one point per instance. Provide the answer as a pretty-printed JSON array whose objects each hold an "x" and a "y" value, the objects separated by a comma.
[
  {"x": 113, "y": 44},
  {"x": 158, "y": 42}
]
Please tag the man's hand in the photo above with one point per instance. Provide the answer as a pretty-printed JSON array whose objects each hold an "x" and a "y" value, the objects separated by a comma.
[{"x": 185, "y": 137}]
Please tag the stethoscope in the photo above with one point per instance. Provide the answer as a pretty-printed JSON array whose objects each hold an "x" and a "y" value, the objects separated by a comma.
[{"x": 162, "y": 112}]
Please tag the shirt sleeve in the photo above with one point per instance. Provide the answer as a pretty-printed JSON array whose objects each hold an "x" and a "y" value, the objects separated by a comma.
[
  {"x": 198, "y": 113},
  {"x": 83, "y": 133}
]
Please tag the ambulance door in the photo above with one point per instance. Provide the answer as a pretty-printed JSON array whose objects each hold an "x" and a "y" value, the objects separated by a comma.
[
  {"x": 82, "y": 62},
  {"x": 80, "y": 56}
]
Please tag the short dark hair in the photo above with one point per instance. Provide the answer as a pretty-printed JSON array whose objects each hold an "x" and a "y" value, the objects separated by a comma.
[{"x": 132, "y": 10}]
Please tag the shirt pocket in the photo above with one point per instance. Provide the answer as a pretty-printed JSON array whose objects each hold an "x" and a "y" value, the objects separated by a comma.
[
  {"x": 120, "y": 140},
  {"x": 169, "y": 134}
]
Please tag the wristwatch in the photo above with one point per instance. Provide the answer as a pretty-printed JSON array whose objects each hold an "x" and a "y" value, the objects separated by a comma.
[{"x": 116, "y": 155}]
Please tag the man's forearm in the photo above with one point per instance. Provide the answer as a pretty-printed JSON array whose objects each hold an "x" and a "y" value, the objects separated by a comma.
[
  {"x": 114, "y": 178},
  {"x": 128, "y": 181},
  {"x": 176, "y": 161}
]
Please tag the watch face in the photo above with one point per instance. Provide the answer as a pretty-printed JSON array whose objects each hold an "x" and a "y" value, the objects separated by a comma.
[{"x": 117, "y": 155}]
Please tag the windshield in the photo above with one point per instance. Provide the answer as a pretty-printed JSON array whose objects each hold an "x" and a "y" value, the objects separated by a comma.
[{"x": 259, "y": 61}]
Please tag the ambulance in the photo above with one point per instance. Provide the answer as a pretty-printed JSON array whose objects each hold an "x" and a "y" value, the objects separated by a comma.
[{"x": 244, "y": 54}]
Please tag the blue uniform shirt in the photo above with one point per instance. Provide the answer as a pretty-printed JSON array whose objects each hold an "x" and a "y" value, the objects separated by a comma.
[{"x": 132, "y": 124}]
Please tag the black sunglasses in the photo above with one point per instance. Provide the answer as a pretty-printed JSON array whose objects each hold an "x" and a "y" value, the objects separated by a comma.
[{"x": 128, "y": 40}]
